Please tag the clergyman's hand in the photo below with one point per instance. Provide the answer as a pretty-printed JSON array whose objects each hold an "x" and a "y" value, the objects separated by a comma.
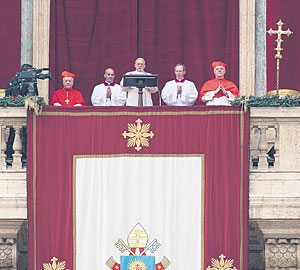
[
  {"x": 218, "y": 90},
  {"x": 223, "y": 90},
  {"x": 108, "y": 92},
  {"x": 179, "y": 89}
]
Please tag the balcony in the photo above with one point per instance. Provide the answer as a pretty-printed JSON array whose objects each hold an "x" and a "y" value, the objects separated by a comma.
[
  {"x": 13, "y": 188},
  {"x": 274, "y": 162},
  {"x": 13, "y": 197},
  {"x": 274, "y": 188},
  {"x": 274, "y": 175}
]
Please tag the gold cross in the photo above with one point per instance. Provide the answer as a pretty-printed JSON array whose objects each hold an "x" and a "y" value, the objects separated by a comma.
[
  {"x": 54, "y": 259},
  {"x": 279, "y": 40},
  {"x": 67, "y": 100},
  {"x": 278, "y": 49},
  {"x": 222, "y": 256}
]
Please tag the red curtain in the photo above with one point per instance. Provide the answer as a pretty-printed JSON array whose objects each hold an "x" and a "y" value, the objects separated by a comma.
[
  {"x": 288, "y": 12},
  {"x": 10, "y": 36},
  {"x": 88, "y": 36},
  {"x": 192, "y": 32},
  {"x": 58, "y": 134}
]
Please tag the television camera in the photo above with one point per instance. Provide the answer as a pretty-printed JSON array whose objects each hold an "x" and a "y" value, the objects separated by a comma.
[
  {"x": 33, "y": 75},
  {"x": 25, "y": 82}
]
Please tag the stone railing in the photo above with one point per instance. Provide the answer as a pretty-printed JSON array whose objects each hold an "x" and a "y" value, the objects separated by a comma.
[
  {"x": 274, "y": 142},
  {"x": 264, "y": 140},
  {"x": 274, "y": 163},
  {"x": 13, "y": 136},
  {"x": 274, "y": 188}
]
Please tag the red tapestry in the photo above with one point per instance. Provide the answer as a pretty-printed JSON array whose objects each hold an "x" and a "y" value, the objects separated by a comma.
[
  {"x": 57, "y": 135},
  {"x": 288, "y": 12}
]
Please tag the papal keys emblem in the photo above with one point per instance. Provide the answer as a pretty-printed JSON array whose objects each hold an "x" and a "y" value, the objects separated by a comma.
[{"x": 137, "y": 248}]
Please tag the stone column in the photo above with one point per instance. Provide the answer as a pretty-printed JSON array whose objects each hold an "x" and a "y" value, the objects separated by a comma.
[
  {"x": 3, "y": 148},
  {"x": 41, "y": 33},
  {"x": 247, "y": 47},
  {"x": 263, "y": 148},
  {"x": 260, "y": 48},
  {"x": 26, "y": 32},
  {"x": 17, "y": 147}
]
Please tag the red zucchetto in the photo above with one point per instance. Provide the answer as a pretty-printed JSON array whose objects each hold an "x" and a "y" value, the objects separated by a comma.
[
  {"x": 68, "y": 74},
  {"x": 218, "y": 63}
]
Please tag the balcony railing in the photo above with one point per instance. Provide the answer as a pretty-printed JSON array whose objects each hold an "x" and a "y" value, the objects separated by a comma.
[
  {"x": 273, "y": 160},
  {"x": 273, "y": 134},
  {"x": 13, "y": 123},
  {"x": 274, "y": 139}
]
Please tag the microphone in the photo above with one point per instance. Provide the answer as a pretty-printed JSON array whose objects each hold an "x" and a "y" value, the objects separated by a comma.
[
  {"x": 159, "y": 98},
  {"x": 143, "y": 71}
]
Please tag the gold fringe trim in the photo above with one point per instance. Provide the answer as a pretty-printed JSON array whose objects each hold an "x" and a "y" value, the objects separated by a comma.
[
  {"x": 244, "y": 103},
  {"x": 31, "y": 103}
]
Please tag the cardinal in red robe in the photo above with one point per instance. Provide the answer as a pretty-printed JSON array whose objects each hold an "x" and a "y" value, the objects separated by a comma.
[
  {"x": 67, "y": 96},
  {"x": 218, "y": 91}
]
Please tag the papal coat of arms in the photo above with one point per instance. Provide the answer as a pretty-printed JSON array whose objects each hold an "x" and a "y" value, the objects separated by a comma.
[{"x": 137, "y": 248}]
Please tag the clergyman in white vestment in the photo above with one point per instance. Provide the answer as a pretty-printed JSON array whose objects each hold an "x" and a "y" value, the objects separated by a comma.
[
  {"x": 179, "y": 92},
  {"x": 132, "y": 92},
  {"x": 108, "y": 93}
]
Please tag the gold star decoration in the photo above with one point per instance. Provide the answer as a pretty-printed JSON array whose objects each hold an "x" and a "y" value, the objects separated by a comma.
[
  {"x": 138, "y": 135},
  {"x": 55, "y": 265},
  {"x": 222, "y": 264}
]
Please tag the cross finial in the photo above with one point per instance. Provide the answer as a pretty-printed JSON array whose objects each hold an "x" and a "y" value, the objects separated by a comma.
[
  {"x": 222, "y": 256},
  {"x": 54, "y": 259},
  {"x": 279, "y": 40},
  {"x": 54, "y": 265},
  {"x": 278, "y": 49}
]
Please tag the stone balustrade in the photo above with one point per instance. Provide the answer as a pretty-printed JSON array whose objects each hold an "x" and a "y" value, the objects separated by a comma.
[
  {"x": 13, "y": 123},
  {"x": 274, "y": 163},
  {"x": 274, "y": 188},
  {"x": 13, "y": 161}
]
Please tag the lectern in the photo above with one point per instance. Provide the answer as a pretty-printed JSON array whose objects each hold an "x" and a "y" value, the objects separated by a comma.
[{"x": 140, "y": 82}]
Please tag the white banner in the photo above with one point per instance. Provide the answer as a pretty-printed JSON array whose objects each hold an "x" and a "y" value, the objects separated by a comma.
[{"x": 163, "y": 194}]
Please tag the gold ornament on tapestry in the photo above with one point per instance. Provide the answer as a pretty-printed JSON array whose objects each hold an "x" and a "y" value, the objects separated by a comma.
[
  {"x": 55, "y": 265},
  {"x": 278, "y": 49},
  {"x": 221, "y": 264},
  {"x": 138, "y": 135},
  {"x": 31, "y": 103}
]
